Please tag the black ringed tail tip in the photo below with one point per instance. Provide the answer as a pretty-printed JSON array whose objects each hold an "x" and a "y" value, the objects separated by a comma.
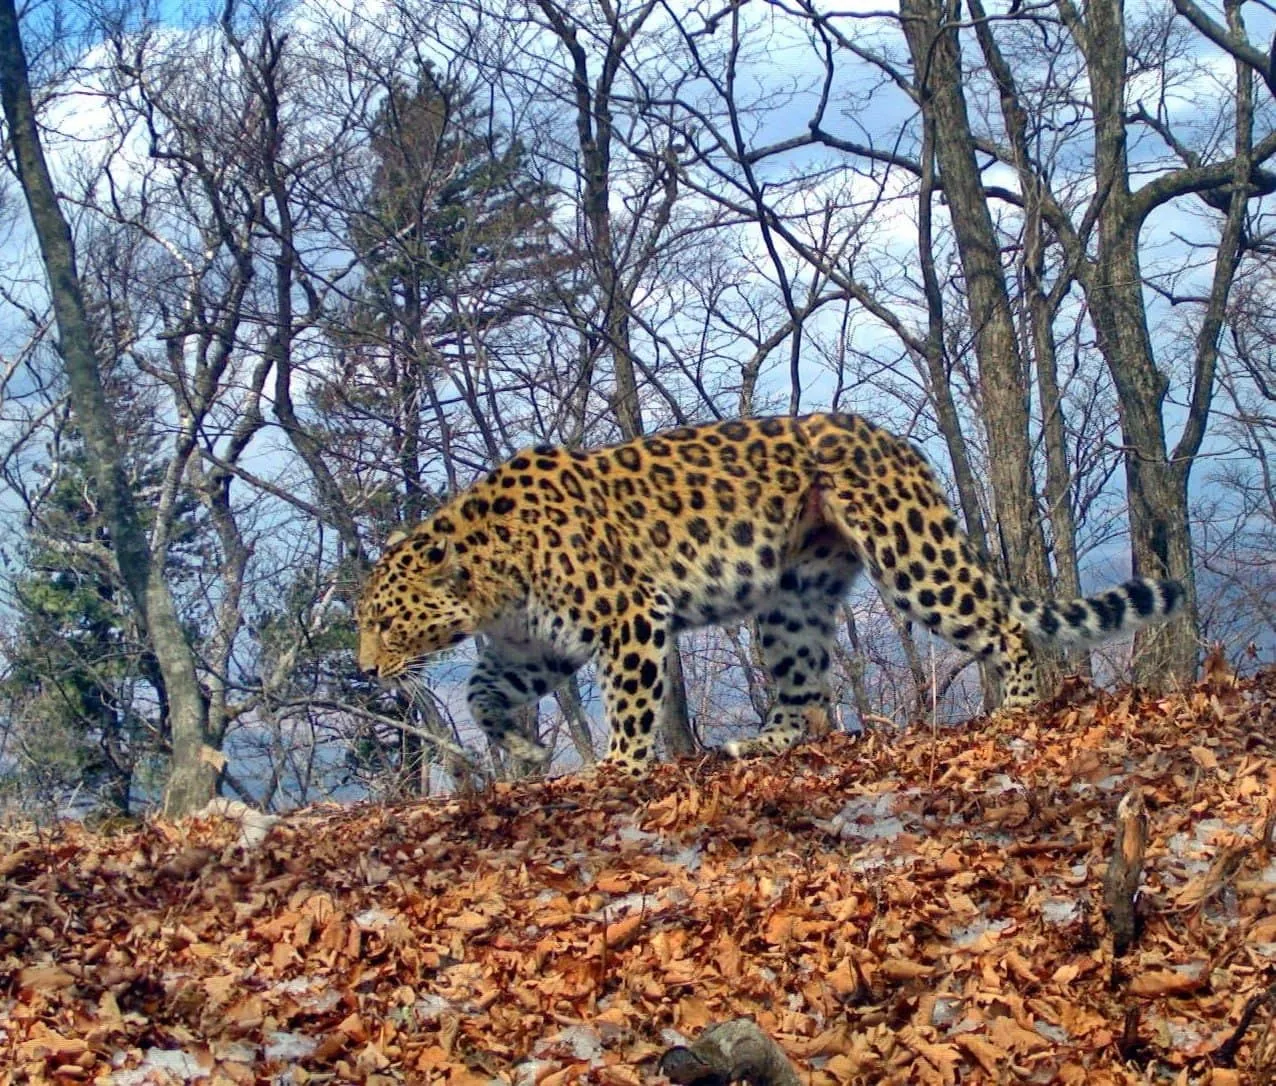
[{"x": 1138, "y": 602}]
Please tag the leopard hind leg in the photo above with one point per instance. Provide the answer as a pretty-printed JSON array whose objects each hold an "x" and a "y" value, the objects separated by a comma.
[
  {"x": 797, "y": 627},
  {"x": 925, "y": 567}
]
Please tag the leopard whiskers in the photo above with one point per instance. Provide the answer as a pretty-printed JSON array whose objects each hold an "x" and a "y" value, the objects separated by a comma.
[{"x": 413, "y": 680}]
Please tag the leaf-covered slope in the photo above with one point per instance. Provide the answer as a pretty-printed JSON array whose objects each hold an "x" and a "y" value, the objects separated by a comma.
[{"x": 917, "y": 908}]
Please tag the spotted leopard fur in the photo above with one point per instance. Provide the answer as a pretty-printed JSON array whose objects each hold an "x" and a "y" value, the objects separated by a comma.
[{"x": 559, "y": 556}]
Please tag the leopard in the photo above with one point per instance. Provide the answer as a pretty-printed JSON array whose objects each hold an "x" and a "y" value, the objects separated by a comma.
[{"x": 560, "y": 556}]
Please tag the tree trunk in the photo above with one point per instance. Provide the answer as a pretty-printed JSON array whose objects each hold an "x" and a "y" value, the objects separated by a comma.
[
  {"x": 594, "y": 135},
  {"x": 193, "y": 776},
  {"x": 855, "y": 666},
  {"x": 573, "y": 710},
  {"x": 1040, "y": 313},
  {"x": 1159, "y": 521},
  {"x": 1002, "y": 376},
  {"x": 940, "y": 387}
]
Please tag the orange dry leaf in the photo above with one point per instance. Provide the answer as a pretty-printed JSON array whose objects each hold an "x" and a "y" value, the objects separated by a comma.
[
  {"x": 352, "y": 1026},
  {"x": 1262, "y": 930},
  {"x": 939, "y": 1061},
  {"x": 1162, "y": 982},
  {"x": 617, "y": 1075},
  {"x": 44, "y": 978},
  {"x": 615, "y": 882},
  {"x": 986, "y": 1054},
  {"x": 622, "y": 932},
  {"x": 463, "y": 1076},
  {"x": 44, "y": 1043},
  {"x": 693, "y": 1015},
  {"x": 903, "y": 969},
  {"x": 779, "y": 928},
  {"x": 468, "y": 921},
  {"x": 1007, "y": 1034},
  {"x": 1204, "y": 757},
  {"x": 844, "y": 979}
]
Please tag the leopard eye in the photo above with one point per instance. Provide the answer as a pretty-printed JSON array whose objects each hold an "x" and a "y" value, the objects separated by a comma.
[{"x": 385, "y": 624}]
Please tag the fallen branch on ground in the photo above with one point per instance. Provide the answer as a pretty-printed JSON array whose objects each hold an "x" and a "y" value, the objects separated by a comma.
[{"x": 1125, "y": 870}]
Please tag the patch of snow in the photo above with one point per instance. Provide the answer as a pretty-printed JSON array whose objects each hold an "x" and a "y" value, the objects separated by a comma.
[
  {"x": 1051, "y": 1032},
  {"x": 1060, "y": 910},
  {"x": 431, "y": 1007},
  {"x": 945, "y": 1011},
  {"x": 323, "y": 1001},
  {"x": 310, "y": 993},
  {"x": 1187, "y": 852},
  {"x": 867, "y": 818},
  {"x": 689, "y": 857},
  {"x": 297, "y": 986},
  {"x": 968, "y": 933},
  {"x": 235, "y": 1052},
  {"x": 1111, "y": 783},
  {"x": 253, "y": 825},
  {"x": 289, "y": 1047},
  {"x": 623, "y": 906},
  {"x": 1001, "y": 783},
  {"x": 1183, "y": 1035},
  {"x": 176, "y": 1065},
  {"x": 374, "y": 919},
  {"x": 584, "y": 1043},
  {"x": 1209, "y": 828},
  {"x": 632, "y": 834}
]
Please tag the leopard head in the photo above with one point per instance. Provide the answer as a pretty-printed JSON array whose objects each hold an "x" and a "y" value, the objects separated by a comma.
[{"x": 417, "y": 600}]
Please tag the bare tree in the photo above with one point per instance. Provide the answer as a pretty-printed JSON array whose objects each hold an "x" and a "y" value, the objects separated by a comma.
[{"x": 193, "y": 776}]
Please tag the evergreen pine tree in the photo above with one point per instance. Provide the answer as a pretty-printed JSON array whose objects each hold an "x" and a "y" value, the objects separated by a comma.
[{"x": 454, "y": 246}]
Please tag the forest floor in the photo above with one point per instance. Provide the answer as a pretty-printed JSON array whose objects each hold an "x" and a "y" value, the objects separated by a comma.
[{"x": 923, "y": 907}]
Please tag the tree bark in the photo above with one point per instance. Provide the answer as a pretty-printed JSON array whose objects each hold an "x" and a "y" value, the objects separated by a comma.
[
  {"x": 1040, "y": 310},
  {"x": 940, "y": 388},
  {"x": 193, "y": 776},
  {"x": 1157, "y": 487},
  {"x": 594, "y": 138},
  {"x": 1125, "y": 872},
  {"x": 1002, "y": 375}
]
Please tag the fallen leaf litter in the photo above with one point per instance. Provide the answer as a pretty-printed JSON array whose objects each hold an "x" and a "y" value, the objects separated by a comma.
[{"x": 922, "y": 907}]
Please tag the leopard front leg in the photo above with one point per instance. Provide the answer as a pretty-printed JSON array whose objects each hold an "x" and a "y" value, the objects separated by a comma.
[
  {"x": 504, "y": 681},
  {"x": 633, "y": 666}
]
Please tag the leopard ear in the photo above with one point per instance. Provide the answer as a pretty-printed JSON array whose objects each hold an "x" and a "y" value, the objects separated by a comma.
[{"x": 395, "y": 538}]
